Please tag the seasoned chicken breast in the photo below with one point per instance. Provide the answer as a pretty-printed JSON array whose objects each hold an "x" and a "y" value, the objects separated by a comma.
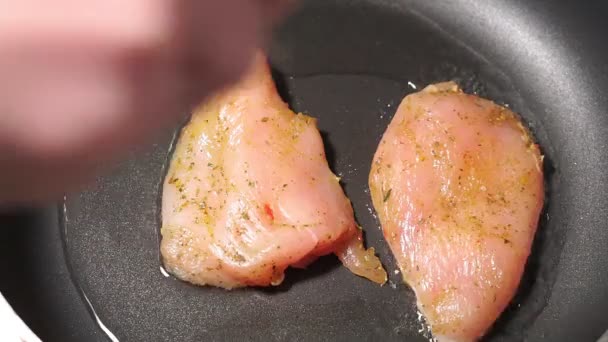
[
  {"x": 249, "y": 193},
  {"x": 458, "y": 187}
]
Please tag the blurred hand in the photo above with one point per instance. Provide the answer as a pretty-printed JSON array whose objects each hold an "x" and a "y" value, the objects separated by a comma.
[{"x": 82, "y": 82}]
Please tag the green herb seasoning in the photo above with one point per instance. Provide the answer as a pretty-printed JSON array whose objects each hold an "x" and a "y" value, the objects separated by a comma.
[{"x": 387, "y": 195}]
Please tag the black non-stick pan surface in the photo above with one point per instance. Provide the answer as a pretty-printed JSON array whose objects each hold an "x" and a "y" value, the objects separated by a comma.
[{"x": 90, "y": 271}]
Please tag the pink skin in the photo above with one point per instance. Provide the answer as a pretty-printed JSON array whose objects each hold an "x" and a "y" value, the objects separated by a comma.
[
  {"x": 466, "y": 190},
  {"x": 249, "y": 193},
  {"x": 85, "y": 81}
]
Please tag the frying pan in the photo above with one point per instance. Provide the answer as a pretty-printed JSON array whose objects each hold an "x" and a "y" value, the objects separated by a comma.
[{"x": 90, "y": 269}]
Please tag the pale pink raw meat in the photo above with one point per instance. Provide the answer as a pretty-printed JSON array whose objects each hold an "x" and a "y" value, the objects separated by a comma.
[
  {"x": 458, "y": 187},
  {"x": 249, "y": 193}
]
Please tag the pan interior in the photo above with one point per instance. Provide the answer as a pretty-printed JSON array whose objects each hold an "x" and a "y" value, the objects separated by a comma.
[{"x": 349, "y": 65}]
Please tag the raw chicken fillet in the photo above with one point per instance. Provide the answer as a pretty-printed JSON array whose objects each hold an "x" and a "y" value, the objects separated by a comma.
[
  {"x": 458, "y": 187},
  {"x": 249, "y": 193}
]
